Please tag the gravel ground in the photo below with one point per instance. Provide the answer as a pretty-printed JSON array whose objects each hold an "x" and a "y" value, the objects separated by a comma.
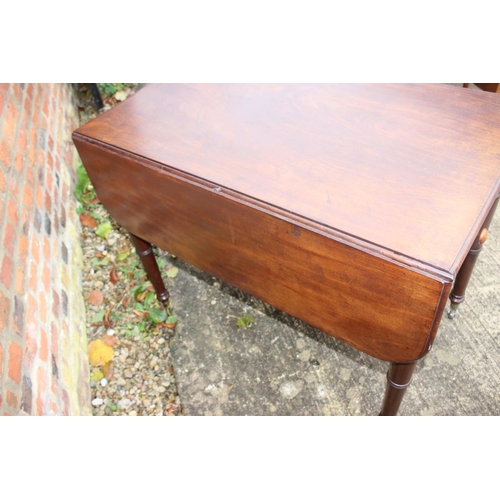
[{"x": 128, "y": 333}]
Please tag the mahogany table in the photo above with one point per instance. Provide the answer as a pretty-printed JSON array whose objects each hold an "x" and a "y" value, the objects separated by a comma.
[{"x": 351, "y": 207}]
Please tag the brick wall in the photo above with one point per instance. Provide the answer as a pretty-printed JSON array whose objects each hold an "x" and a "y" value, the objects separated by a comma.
[{"x": 43, "y": 360}]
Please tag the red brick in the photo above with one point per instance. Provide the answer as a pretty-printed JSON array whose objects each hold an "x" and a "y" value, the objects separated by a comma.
[
  {"x": 14, "y": 362},
  {"x": 6, "y": 271},
  {"x": 35, "y": 248},
  {"x": 5, "y": 153},
  {"x": 42, "y": 385},
  {"x": 44, "y": 346},
  {"x": 46, "y": 278},
  {"x": 12, "y": 211},
  {"x": 22, "y": 250},
  {"x": 30, "y": 88},
  {"x": 20, "y": 288},
  {"x": 33, "y": 279},
  {"x": 30, "y": 345},
  {"x": 27, "y": 108},
  {"x": 53, "y": 408},
  {"x": 2, "y": 102},
  {"x": 39, "y": 197},
  {"x": 42, "y": 307},
  {"x": 28, "y": 196},
  {"x": 22, "y": 139},
  {"x": 3, "y": 182},
  {"x": 19, "y": 161},
  {"x": 9, "y": 238},
  {"x": 1, "y": 362},
  {"x": 17, "y": 92},
  {"x": 4, "y": 311},
  {"x": 10, "y": 123},
  {"x": 48, "y": 200},
  {"x": 46, "y": 248},
  {"x": 65, "y": 401},
  {"x": 12, "y": 400}
]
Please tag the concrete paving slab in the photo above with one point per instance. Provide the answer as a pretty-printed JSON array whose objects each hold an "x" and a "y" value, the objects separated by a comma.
[{"x": 281, "y": 366}]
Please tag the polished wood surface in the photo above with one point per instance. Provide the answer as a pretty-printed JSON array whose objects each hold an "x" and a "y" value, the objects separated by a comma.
[
  {"x": 351, "y": 207},
  {"x": 410, "y": 169}
]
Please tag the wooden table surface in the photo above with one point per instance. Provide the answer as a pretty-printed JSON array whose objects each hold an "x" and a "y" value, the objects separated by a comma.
[
  {"x": 409, "y": 169},
  {"x": 351, "y": 207}
]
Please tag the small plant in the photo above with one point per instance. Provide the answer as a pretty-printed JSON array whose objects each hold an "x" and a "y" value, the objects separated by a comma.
[{"x": 245, "y": 321}]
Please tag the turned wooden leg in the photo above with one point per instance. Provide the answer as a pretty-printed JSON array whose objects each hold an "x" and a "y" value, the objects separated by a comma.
[
  {"x": 457, "y": 295},
  {"x": 145, "y": 252},
  {"x": 398, "y": 379}
]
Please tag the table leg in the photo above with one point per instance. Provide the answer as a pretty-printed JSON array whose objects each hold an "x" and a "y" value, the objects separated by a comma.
[
  {"x": 398, "y": 379},
  {"x": 145, "y": 252},
  {"x": 457, "y": 295}
]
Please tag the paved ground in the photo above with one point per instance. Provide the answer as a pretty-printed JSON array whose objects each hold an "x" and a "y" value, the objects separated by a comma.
[{"x": 281, "y": 366}]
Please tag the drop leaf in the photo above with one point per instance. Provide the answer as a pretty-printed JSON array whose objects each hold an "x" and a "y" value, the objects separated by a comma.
[{"x": 99, "y": 353}]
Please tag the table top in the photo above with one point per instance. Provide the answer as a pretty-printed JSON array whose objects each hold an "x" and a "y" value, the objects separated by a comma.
[{"x": 408, "y": 171}]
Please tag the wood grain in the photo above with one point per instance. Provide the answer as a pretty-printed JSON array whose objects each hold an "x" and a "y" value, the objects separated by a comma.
[
  {"x": 388, "y": 311},
  {"x": 411, "y": 169}
]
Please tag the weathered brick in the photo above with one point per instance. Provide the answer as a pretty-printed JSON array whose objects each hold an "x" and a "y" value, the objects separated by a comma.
[
  {"x": 21, "y": 139},
  {"x": 55, "y": 307},
  {"x": 35, "y": 248},
  {"x": 46, "y": 248},
  {"x": 22, "y": 249},
  {"x": 11, "y": 400},
  {"x": 28, "y": 196},
  {"x": 41, "y": 388},
  {"x": 54, "y": 410},
  {"x": 19, "y": 161},
  {"x": 5, "y": 153},
  {"x": 39, "y": 197},
  {"x": 6, "y": 271},
  {"x": 9, "y": 238},
  {"x": 42, "y": 307},
  {"x": 33, "y": 278},
  {"x": 19, "y": 279},
  {"x": 46, "y": 278},
  {"x": 4, "y": 311},
  {"x": 27, "y": 395},
  {"x": 12, "y": 211},
  {"x": 30, "y": 88},
  {"x": 3, "y": 182},
  {"x": 1, "y": 363},
  {"x": 10, "y": 123},
  {"x": 17, "y": 91},
  {"x": 30, "y": 344},
  {"x": 14, "y": 361},
  {"x": 65, "y": 401},
  {"x": 44, "y": 346},
  {"x": 18, "y": 323}
]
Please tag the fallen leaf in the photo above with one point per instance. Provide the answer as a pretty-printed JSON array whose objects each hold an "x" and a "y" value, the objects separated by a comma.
[
  {"x": 172, "y": 272},
  {"x": 94, "y": 200},
  {"x": 97, "y": 375},
  {"x": 99, "y": 353},
  {"x": 98, "y": 316},
  {"x": 87, "y": 220},
  {"x": 102, "y": 230},
  {"x": 96, "y": 297},
  {"x": 110, "y": 340},
  {"x": 107, "y": 321},
  {"x": 245, "y": 321},
  {"x": 113, "y": 277},
  {"x": 122, "y": 255},
  {"x": 108, "y": 369}
]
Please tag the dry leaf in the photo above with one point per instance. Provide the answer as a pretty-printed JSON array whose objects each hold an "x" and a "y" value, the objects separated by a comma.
[
  {"x": 99, "y": 353},
  {"x": 110, "y": 340},
  {"x": 107, "y": 321},
  {"x": 87, "y": 220},
  {"x": 113, "y": 277},
  {"x": 96, "y": 297},
  {"x": 108, "y": 369}
]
